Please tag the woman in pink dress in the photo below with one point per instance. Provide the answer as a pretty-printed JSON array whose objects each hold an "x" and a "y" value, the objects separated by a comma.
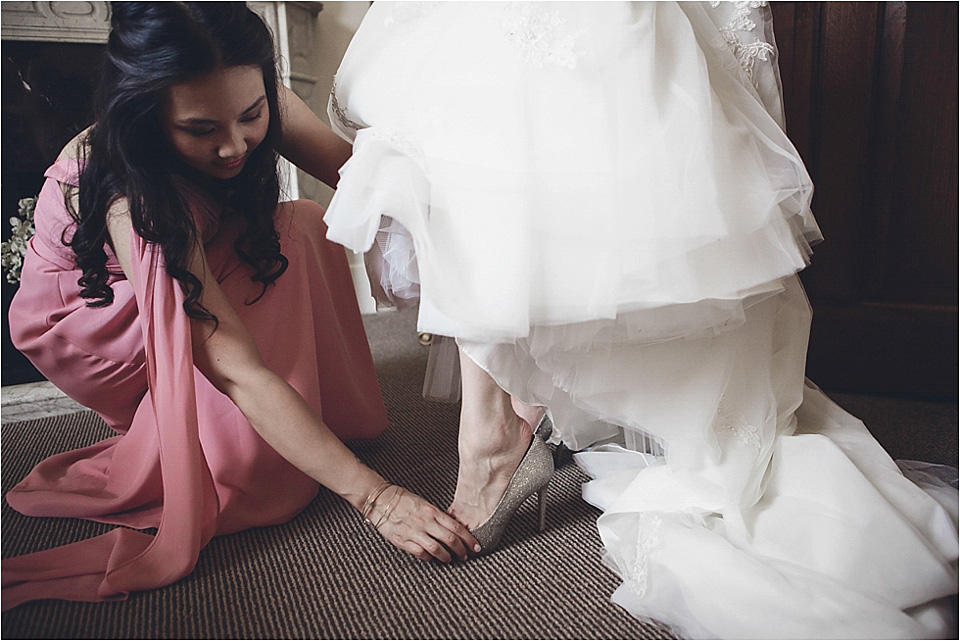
[{"x": 214, "y": 328}]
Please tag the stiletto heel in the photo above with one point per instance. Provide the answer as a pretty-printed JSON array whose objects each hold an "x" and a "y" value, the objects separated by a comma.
[
  {"x": 560, "y": 455},
  {"x": 542, "y": 507},
  {"x": 532, "y": 477}
]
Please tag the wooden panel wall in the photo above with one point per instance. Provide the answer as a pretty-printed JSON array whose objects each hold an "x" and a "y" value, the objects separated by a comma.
[{"x": 871, "y": 103}]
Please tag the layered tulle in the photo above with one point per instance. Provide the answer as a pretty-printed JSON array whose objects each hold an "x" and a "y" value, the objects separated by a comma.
[
  {"x": 599, "y": 202},
  {"x": 773, "y": 513},
  {"x": 579, "y": 188}
]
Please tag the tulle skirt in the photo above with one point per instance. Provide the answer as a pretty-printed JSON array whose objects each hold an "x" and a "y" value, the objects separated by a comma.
[
  {"x": 587, "y": 162},
  {"x": 598, "y": 200}
]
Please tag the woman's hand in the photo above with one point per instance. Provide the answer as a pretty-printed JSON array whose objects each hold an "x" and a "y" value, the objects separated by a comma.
[{"x": 412, "y": 524}]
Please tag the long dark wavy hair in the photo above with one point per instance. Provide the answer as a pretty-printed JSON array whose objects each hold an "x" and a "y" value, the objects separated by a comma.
[{"x": 152, "y": 46}]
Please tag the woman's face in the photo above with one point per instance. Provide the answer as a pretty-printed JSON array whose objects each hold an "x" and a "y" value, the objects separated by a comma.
[{"x": 215, "y": 121}]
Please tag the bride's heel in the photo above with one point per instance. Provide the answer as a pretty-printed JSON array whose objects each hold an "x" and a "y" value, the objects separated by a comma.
[
  {"x": 544, "y": 430},
  {"x": 542, "y": 508},
  {"x": 532, "y": 477}
]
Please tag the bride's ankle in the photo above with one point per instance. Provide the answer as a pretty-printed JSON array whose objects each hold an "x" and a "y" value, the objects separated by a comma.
[
  {"x": 489, "y": 455},
  {"x": 494, "y": 438}
]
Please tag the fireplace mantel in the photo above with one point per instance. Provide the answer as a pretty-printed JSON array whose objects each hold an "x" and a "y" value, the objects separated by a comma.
[{"x": 85, "y": 22}]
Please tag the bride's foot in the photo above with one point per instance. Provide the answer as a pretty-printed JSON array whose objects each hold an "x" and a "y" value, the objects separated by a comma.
[
  {"x": 487, "y": 464},
  {"x": 532, "y": 414}
]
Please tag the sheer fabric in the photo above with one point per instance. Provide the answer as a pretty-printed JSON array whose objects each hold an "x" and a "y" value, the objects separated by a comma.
[{"x": 598, "y": 200}]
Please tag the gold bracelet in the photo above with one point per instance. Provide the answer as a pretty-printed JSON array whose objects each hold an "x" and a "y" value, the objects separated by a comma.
[
  {"x": 371, "y": 500},
  {"x": 386, "y": 513}
]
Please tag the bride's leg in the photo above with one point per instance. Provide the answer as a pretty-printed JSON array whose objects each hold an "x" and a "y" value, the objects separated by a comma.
[{"x": 493, "y": 440}]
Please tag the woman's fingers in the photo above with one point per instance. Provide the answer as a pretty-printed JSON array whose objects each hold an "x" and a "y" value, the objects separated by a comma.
[
  {"x": 414, "y": 549},
  {"x": 450, "y": 532},
  {"x": 453, "y": 535},
  {"x": 419, "y": 523},
  {"x": 419, "y": 528},
  {"x": 459, "y": 530},
  {"x": 433, "y": 547},
  {"x": 447, "y": 540}
]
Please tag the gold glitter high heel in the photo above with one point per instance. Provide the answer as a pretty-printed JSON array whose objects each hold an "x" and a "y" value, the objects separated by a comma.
[
  {"x": 532, "y": 477},
  {"x": 544, "y": 430}
]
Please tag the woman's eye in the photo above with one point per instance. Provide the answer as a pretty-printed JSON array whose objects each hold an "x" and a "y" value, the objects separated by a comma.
[
  {"x": 199, "y": 133},
  {"x": 256, "y": 116}
]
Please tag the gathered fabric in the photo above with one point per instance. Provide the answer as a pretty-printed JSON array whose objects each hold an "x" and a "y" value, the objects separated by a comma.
[{"x": 599, "y": 201}]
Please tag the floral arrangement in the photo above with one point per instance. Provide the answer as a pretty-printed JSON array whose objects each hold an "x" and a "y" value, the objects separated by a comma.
[{"x": 13, "y": 250}]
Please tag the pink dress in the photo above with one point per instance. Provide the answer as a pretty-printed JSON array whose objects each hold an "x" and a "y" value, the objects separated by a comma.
[{"x": 184, "y": 460}]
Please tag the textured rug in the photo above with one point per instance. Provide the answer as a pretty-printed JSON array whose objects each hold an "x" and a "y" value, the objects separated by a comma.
[{"x": 326, "y": 575}]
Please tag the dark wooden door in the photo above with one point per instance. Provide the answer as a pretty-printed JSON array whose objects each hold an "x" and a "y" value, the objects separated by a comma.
[{"x": 871, "y": 101}]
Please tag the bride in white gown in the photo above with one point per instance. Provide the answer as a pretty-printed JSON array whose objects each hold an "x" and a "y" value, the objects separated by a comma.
[{"x": 598, "y": 200}]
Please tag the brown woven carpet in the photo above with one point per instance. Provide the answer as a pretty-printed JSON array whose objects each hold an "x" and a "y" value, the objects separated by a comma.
[{"x": 326, "y": 575}]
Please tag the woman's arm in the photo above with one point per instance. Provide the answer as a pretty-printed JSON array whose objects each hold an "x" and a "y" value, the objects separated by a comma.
[
  {"x": 229, "y": 358},
  {"x": 308, "y": 143}
]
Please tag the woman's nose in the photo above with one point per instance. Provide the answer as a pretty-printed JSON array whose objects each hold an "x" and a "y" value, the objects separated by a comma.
[{"x": 233, "y": 146}]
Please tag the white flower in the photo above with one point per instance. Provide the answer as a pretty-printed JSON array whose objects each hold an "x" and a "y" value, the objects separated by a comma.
[
  {"x": 12, "y": 251},
  {"x": 25, "y": 208}
]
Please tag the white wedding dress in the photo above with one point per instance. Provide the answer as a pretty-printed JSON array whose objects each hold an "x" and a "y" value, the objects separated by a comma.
[{"x": 598, "y": 200}]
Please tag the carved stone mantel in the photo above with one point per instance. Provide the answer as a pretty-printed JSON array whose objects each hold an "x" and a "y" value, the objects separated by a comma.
[
  {"x": 87, "y": 22},
  {"x": 293, "y": 25}
]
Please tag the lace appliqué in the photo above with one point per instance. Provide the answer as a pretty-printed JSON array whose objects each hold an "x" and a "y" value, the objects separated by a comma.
[
  {"x": 746, "y": 53},
  {"x": 398, "y": 141},
  {"x": 394, "y": 137},
  {"x": 647, "y": 540},
  {"x": 540, "y": 35},
  {"x": 339, "y": 111},
  {"x": 731, "y": 423}
]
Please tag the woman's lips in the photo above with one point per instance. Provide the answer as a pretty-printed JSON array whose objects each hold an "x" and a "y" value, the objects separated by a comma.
[{"x": 233, "y": 165}]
